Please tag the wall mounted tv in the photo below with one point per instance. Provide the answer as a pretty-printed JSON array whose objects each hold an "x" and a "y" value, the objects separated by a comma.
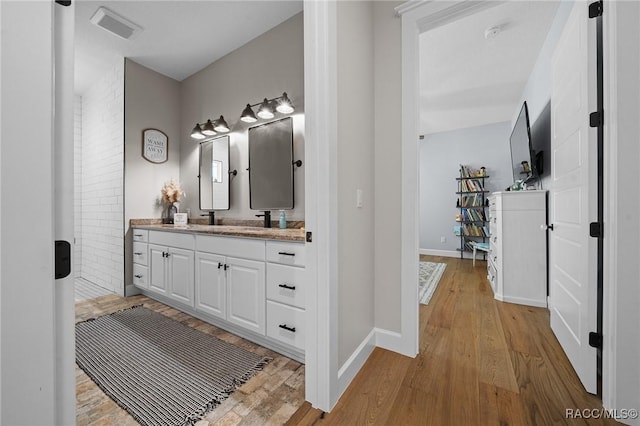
[{"x": 520, "y": 142}]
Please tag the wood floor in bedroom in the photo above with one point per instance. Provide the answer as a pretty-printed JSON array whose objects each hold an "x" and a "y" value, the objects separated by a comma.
[
  {"x": 481, "y": 362},
  {"x": 269, "y": 398}
]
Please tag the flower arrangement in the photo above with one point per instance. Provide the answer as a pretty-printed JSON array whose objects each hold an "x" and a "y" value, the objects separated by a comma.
[{"x": 171, "y": 192}]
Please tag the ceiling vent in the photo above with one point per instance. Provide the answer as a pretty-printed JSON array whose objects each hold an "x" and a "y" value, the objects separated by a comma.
[{"x": 115, "y": 24}]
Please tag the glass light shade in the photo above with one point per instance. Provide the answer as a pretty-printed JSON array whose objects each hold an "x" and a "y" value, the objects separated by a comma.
[
  {"x": 207, "y": 129},
  {"x": 248, "y": 115},
  {"x": 221, "y": 125},
  {"x": 196, "y": 133},
  {"x": 265, "y": 111},
  {"x": 284, "y": 105}
]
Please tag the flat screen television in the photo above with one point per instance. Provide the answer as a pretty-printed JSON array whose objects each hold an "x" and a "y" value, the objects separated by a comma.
[{"x": 520, "y": 142}]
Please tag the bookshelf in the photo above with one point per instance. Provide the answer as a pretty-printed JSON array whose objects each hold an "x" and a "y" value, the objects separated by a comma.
[{"x": 472, "y": 203}]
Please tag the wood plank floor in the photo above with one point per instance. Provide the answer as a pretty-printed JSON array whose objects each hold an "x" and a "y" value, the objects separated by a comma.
[
  {"x": 269, "y": 398},
  {"x": 481, "y": 362}
]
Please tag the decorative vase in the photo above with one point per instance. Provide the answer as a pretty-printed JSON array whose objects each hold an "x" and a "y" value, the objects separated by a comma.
[{"x": 171, "y": 211}]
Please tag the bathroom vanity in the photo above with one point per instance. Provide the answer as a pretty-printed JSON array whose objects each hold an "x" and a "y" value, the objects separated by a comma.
[{"x": 249, "y": 281}]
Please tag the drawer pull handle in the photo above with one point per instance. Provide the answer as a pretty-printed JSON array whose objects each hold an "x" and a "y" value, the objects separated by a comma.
[
  {"x": 288, "y": 287},
  {"x": 284, "y": 326},
  {"x": 219, "y": 265},
  {"x": 138, "y": 253},
  {"x": 284, "y": 253},
  {"x": 137, "y": 235},
  {"x": 165, "y": 254},
  {"x": 226, "y": 266},
  {"x": 138, "y": 276}
]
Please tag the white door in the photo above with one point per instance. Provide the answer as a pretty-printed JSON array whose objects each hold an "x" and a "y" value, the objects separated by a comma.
[
  {"x": 211, "y": 284},
  {"x": 181, "y": 275},
  {"x": 246, "y": 294},
  {"x": 157, "y": 269},
  {"x": 573, "y": 198}
]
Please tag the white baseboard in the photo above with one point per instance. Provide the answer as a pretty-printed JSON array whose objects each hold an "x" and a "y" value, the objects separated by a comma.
[
  {"x": 392, "y": 341},
  {"x": 348, "y": 371},
  {"x": 448, "y": 253}
]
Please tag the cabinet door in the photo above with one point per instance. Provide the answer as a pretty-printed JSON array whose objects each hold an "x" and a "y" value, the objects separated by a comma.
[
  {"x": 246, "y": 294},
  {"x": 211, "y": 284},
  {"x": 180, "y": 264},
  {"x": 157, "y": 269}
]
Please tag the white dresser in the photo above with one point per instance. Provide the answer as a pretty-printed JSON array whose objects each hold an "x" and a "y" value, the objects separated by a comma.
[{"x": 517, "y": 260}]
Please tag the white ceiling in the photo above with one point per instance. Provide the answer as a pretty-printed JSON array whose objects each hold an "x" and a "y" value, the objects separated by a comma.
[
  {"x": 180, "y": 37},
  {"x": 467, "y": 80}
]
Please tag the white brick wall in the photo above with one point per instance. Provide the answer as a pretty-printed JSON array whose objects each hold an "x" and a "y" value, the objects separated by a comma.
[
  {"x": 102, "y": 208},
  {"x": 77, "y": 182}
]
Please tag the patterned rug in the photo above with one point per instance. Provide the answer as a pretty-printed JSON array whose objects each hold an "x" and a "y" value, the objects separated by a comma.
[
  {"x": 430, "y": 274},
  {"x": 159, "y": 370}
]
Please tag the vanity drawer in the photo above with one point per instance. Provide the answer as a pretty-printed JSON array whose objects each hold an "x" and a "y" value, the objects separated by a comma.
[
  {"x": 235, "y": 247},
  {"x": 285, "y": 284},
  {"x": 141, "y": 235},
  {"x": 140, "y": 253},
  {"x": 172, "y": 239},
  {"x": 286, "y": 324},
  {"x": 285, "y": 253},
  {"x": 140, "y": 276}
]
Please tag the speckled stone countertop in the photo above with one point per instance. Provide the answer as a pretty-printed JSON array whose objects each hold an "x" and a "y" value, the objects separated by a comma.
[{"x": 289, "y": 234}]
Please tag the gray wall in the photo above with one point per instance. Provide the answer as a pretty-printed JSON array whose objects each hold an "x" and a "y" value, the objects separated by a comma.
[
  {"x": 537, "y": 91},
  {"x": 151, "y": 101},
  {"x": 388, "y": 179},
  {"x": 355, "y": 171},
  {"x": 265, "y": 67},
  {"x": 440, "y": 157}
]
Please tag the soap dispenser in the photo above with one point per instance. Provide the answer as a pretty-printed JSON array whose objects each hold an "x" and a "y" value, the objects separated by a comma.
[{"x": 283, "y": 220}]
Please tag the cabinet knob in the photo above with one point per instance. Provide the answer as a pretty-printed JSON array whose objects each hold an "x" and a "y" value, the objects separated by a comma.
[
  {"x": 226, "y": 266},
  {"x": 285, "y": 327},
  {"x": 544, "y": 227},
  {"x": 219, "y": 265}
]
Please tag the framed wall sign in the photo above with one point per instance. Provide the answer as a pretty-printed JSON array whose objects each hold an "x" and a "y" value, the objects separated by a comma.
[{"x": 155, "y": 146}]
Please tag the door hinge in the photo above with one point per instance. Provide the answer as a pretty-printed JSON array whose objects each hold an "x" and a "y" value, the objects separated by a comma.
[
  {"x": 595, "y": 9},
  {"x": 595, "y": 340},
  {"x": 596, "y": 229},
  {"x": 309, "y": 237},
  {"x": 595, "y": 119}
]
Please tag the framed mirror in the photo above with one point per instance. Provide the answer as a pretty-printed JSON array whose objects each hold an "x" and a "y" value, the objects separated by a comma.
[
  {"x": 214, "y": 174},
  {"x": 271, "y": 165}
]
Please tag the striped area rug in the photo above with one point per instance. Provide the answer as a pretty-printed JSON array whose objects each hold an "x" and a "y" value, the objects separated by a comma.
[
  {"x": 159, "y": 370},
  {"x": 430, "y": 274}
]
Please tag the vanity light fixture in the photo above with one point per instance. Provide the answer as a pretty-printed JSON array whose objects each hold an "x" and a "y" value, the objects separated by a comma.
[
  {"x": 266, "y": 111},
  {"x": 266, "y": 108},
  {"x": 196, "y": 133},
  {"x": 220, "y": 125},
  {"x": 284, "y": 104},
  {"x": 208, "y": 129},
  {"x": 248, "y": 116}
]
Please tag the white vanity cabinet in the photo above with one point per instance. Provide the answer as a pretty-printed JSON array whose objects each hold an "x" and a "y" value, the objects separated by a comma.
[
  {"x": 171, "y": 265},
  {"x": 231, "y": 287},
  {"x": 286, "y": 293},
  {"x": 517, "y": 260},
  {"x": 252, "y": 287}
]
